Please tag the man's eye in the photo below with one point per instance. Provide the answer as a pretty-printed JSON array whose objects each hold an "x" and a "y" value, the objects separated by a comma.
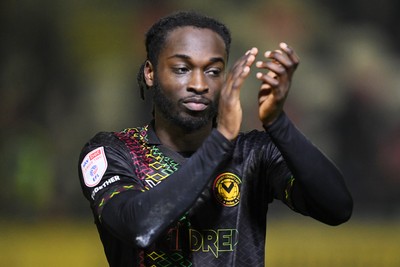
[
  {"x": 214, "y": 72},
  {"x": 180, "y": 70}
]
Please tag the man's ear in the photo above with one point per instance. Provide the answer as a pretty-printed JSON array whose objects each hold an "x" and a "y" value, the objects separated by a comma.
[{"x": 148, "y": 73}]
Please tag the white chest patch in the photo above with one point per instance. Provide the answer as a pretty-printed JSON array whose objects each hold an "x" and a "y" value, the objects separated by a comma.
[{"x": 93, "y": 166}]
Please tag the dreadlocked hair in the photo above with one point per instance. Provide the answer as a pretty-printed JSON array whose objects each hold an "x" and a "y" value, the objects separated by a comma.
[{"x": 158, "y": 33}]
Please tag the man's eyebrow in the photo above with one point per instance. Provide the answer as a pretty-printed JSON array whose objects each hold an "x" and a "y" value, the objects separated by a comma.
[
  {"x": 179, "y": 56},
  {"x": 186, "y": 57},
  {"x": 217, "y": 59}
]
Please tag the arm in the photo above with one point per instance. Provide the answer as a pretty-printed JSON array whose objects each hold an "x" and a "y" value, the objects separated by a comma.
[
  {"x": 319, "y": 189},
  {"x": 145, "y": 216},
  {"x": 139, "y": 217}
]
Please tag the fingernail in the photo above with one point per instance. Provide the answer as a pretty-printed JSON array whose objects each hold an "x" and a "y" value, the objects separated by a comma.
[
  {"x": 259, "y": 75},
  {"x": 267, "y": 53},
  {"x": 283, "y": 45},
  {"x": 259, "y": 63}
]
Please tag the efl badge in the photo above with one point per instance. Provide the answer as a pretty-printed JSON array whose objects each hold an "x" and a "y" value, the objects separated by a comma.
[
  {"x": 94, "y": 166},
  {"x": 227, "y": 189}
]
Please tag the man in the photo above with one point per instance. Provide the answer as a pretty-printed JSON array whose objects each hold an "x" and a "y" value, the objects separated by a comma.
[{"x": 188, "y": 189}]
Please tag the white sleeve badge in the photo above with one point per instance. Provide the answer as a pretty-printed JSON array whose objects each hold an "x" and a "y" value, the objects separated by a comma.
[{"x": 94, "y": 166}]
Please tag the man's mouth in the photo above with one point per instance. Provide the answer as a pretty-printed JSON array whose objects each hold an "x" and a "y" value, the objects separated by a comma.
[{"x": 196, "y": 103}]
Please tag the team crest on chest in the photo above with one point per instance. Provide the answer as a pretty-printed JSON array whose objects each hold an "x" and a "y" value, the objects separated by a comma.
[{"x": 226, "y": 189}]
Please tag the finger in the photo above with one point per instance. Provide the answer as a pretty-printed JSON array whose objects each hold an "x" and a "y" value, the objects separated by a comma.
[
  {"x": 279, "y": 57},
  {"x": 270, "y": 79},
  {"x": 241, "y": 69},
  {"x": 246, "y": 60},
  {"x": 238, "y": 81},
  {"x": 290, "y": 52},
  {"x": 249, "y": 57},
  {"x": 240, "y": 76},
  {"x": 275, "y": 67},
  {"x": 253, "y": 51}
]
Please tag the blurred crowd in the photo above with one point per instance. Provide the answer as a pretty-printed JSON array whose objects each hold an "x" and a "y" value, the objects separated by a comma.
[{"x": 68, "y": 70}]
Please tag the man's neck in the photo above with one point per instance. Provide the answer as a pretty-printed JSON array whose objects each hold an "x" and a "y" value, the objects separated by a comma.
[{"x": 180, "y": 140}]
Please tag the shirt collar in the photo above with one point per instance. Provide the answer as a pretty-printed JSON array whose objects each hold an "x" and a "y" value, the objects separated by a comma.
[{"x": 152, "y": 136}]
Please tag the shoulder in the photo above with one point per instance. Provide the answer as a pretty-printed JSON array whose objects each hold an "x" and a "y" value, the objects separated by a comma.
[
  {"x": 116, "y": 138},
  {"x": 108, "y": 139},
  {"x": 97, "y": 143}
]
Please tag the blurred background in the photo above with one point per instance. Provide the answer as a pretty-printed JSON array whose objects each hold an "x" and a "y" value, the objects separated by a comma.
[{"x": 68, "y": 70}]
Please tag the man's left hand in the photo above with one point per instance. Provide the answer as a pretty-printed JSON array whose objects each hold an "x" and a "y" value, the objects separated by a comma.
[{"x": 275, "y": 83}]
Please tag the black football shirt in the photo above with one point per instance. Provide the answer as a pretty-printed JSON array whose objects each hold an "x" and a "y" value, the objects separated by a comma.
[{"x": 205, "y": 209}]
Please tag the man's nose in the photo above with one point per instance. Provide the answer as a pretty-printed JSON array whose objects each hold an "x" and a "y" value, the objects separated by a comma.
[{"x": 198, "y": 82}]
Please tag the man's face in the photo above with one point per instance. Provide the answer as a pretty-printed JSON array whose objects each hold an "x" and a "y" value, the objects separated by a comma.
[{"x": 189, "y": 77}]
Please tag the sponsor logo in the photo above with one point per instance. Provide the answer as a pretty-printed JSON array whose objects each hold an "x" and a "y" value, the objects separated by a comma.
[
  {"x": 104, "y": 185},
  {"x": 227, "y": 189},
  {"x": 215, "y": 241},
  {"x": 93, "y": 166}
]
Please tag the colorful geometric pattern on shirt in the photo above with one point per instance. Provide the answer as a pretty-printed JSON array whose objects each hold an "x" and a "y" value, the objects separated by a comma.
[
  {"x": 163, "y": 259},
  {"x": 112, "y": 193},
  {"x": 151, "y": 166},
  {"x": 288, "y": 192}
]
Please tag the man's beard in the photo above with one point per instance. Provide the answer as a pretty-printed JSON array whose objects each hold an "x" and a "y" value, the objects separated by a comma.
[{"x": 171, "y": 111}]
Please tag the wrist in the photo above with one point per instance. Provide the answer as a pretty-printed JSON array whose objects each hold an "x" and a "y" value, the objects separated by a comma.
[
  {"x": 230, "y": 135},
  {"x": 277, "y": 123}
]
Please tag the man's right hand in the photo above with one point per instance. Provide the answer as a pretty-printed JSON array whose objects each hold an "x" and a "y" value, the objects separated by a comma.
[{"x": 230, "y": 109}]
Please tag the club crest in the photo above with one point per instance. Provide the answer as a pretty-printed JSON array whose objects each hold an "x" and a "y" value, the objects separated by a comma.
[{"x": 226, "y": 189}]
